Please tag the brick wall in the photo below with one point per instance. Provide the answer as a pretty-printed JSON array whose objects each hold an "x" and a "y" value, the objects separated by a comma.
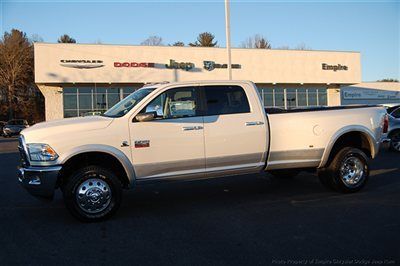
[{"x": 53, "y": 101}]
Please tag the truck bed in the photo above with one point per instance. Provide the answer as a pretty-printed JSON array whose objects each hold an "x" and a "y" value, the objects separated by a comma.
[
  {"x": 299, "y": 137},
  {"x": 277, "y": 110}
]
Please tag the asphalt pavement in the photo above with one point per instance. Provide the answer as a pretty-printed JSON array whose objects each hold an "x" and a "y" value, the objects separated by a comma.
[{"x": 241, "y": 220}]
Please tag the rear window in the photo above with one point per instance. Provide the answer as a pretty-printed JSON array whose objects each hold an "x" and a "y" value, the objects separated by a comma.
[
  {"x": 222, "y": 100},
  {"x": 391, "y": 109}
]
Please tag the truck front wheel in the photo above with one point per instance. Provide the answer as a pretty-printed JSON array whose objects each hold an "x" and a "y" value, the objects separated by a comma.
[
  {"x": 92, "y": 194},
  {"x": 348, "y": 171}
]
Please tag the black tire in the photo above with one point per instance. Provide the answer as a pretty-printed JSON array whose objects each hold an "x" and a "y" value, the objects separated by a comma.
[
  {"x": 348, "y": 162},
  {"x": 395, "y": 141},
  {"x": 285, "y": 173},
  {"x": 103, "y": 194}
]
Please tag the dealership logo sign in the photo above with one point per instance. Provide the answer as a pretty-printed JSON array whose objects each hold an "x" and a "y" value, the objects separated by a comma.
[
  {"x": 81, "y": 64},
  {"x": 211, "y": 65},
  {"x": 370, "y": 94},
  {"x": 335, "y": 68},
  {"x": 179, "y": 65},
  {"x": 133, "y": 64}
]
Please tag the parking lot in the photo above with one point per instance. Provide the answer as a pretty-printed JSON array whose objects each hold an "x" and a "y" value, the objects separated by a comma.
[{"x": 253, "y": 219}]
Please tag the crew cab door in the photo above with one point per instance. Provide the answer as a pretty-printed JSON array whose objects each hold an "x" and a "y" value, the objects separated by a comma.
[
  {"x": 235, "y": 132},
  {"x": 172, "y": 144}
]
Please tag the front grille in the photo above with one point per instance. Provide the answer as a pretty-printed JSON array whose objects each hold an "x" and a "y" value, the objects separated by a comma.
[{"x": 23, "y": 156}]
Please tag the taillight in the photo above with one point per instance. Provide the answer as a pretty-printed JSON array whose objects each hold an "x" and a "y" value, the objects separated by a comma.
[{"x": 386, "y": 124}]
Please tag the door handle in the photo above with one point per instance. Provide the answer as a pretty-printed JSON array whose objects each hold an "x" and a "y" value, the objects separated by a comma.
[
  {"x": 125, "y": 144},
  {"x": 254, "y": 123},
  {"x": 192, "y": 128}
]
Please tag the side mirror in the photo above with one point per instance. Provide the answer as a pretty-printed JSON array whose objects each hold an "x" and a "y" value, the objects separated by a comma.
[{"x": 145, "y": 116}]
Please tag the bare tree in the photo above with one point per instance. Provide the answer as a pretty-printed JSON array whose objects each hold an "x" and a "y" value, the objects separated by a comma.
[
  {"x": 302, "y": 46},
  {"x": 16, "y": 68},
  {"x": 179, "y": 43},
  {"x": 36, "y": 38},
  {"x": 66, "y": 39},
  {"x": 152, "y": 41},
  {"x": 283, "y": 47},
  {"x": 256, "y": 41},
  {"x": 205, "y": 39},
  {"x": 388, "y": 80}
]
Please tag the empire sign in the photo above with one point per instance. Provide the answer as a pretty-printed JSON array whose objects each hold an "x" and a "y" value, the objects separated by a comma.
[{"x": 334, "y": 68}]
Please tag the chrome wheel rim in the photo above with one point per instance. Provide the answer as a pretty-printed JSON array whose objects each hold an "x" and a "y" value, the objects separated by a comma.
[
  {"x": 396, "y": 142},
  {"x": 93, "y": 195},
  {"x": 352, "y": 171}
]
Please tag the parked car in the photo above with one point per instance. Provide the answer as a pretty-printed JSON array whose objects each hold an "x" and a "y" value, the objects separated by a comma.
[
  {"x": 200, "y": 130},
  {"x": 14, "y": 127},
  {"x": 2, "y": 124},
  {"x": 92, "y": 113},
  {"x": 388, "y": 105},
  {"x": 394, "y": 127}
]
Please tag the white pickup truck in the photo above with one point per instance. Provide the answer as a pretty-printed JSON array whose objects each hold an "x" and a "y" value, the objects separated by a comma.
[{"x": 194, "y": 130}]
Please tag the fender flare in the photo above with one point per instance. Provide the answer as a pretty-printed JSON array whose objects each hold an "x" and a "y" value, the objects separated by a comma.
[
  {"x": 101, "y": 148},
  {"x": 374, "y": 147}
]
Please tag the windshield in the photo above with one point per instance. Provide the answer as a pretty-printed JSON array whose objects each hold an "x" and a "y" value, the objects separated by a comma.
[{"x": 124, "y": 106}]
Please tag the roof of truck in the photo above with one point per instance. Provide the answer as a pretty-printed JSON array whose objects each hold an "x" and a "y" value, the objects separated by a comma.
[{"x": 166, "y": 83}]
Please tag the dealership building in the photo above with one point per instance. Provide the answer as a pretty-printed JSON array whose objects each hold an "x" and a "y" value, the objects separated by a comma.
[{"x": 81, "y": 79}]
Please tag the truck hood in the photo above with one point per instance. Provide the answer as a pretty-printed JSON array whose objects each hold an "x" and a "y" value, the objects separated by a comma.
[{"x": 41, "y": 132}]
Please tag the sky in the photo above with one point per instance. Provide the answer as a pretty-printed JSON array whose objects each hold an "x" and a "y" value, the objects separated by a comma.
[{"x": 369, "y": 27}]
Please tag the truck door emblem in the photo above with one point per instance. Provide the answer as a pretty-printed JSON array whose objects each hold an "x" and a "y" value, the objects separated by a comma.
[{"x": 142, "y": 143}]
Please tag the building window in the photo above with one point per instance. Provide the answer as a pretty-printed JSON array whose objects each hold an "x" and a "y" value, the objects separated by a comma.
[
  {"x": 127, "y": 91},
  {"x": 302, "y": 99},
  {"x": 323, "y": 97},
  {"x": 279, "y": 97},
  {"x": 83, "y": 101},
  {"x": 289, "y": 98}
]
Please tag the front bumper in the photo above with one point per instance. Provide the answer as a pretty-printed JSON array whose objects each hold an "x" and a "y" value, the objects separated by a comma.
[
  {"x": 6, "y": 132},
  {"x": 11, "y": 132},
  {"x": 39, "y": 181}
]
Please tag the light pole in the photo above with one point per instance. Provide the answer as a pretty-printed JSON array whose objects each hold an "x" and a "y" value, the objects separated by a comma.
[{"x": 228, "y": 38}]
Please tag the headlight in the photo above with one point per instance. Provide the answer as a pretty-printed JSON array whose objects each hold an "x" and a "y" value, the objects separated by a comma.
[{"x": 41, "y": 152}]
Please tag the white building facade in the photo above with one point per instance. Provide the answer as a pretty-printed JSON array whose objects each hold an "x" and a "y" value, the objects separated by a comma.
[{"x": 80, "y": 79}]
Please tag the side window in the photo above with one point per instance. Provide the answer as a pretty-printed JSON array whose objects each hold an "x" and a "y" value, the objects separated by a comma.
[
  {"x": 222, "y": 100},
  {"x": 396, "y": 113},
  {"x": 175, "y": 103}
]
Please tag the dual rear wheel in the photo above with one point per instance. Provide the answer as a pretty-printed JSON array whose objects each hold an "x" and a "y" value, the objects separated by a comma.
[{"x": 347, "y": 172}]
